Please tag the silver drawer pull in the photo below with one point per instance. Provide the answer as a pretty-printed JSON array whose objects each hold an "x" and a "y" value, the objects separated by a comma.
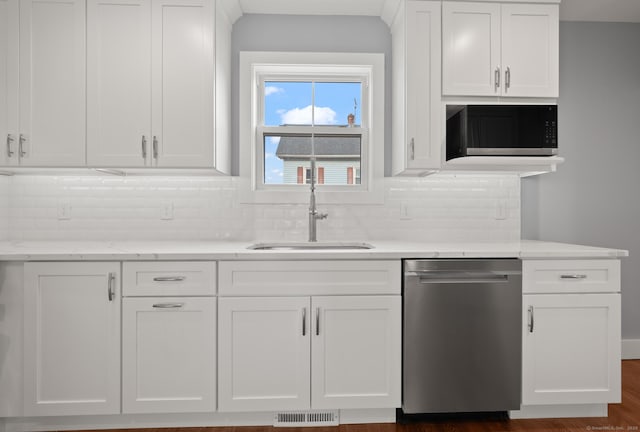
[
  {"x": 304, "y": 321},
  {"x": 169, "y": 279},
  {"x": 168, "y": 305},
  {"x": 111, "y": 290},
  {"x": 573, "y": 276},
  {"x": 10, "y": 141}
]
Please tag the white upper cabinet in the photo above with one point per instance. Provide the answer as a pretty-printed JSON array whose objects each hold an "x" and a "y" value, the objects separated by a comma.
[
  {"x": 118, "y": 82},
  {"x": 530, "y": 50},
  {"x": 182, "y": 82},
  {"x": 9, "y": 71},
  {"x": 492, "y": 49},
  {"x": 470, "y": 48},
  {"x": 150, "y": 83},
  {"x": 42, "y": 82},
  {"x": 416, "y": 92}
]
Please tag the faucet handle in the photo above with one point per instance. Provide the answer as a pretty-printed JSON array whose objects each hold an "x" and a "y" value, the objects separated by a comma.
[{"x": 322, "y": 215}]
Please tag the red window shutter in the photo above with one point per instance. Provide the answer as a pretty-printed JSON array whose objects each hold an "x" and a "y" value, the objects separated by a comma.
[
  {"x": 349, "y": 175},
  {"x": 300, "y": 175},
  {"x": 320, "y": 175}
]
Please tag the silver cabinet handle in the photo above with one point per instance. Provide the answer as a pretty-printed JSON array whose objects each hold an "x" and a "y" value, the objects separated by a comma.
[
  {"x": 169, "y": 279},
  {"x": 317, "y": 321},
  {"x": 21, "y": 141},
  {"x": 531, "y": 319},
  {"x": 304, "y": 321},
  {"x": 10, "y": 141},
  {"x": 507, "y": 78},
  {"x": 168, "y": 305},
  {"x": 144, "y": 147},
  {"x": 155, "y": 147},
  {"x": 573, "y": 276},
  {"x": 413, "y": 149},
  {"x": 497, "y": 78},
  {"x": 112, "y": 288}
]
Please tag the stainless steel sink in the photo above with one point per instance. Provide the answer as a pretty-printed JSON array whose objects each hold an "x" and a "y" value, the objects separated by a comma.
[{"x": 310, "y": 246}]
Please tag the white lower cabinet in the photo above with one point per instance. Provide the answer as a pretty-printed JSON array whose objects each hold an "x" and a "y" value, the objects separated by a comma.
[
  {"x": 355, "y": 361},
  {"x": 571, "y": 339},
  {"x": 264, "y": 357},
  {"x": 335, "y": 345},
  {"x": 321, "y": 352},
  {"x": 168, "y": 362},
  {"x": 71, "y": 338},
  {"x": 168, "y": 337},
  {"x": 571, "y": 349}
]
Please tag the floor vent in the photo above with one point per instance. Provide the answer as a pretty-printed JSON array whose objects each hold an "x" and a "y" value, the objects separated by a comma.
[{"x": 317, "y": 418}]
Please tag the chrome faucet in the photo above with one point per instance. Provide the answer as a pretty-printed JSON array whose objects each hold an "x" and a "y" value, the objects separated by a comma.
[{"x": 313, "y": 211}]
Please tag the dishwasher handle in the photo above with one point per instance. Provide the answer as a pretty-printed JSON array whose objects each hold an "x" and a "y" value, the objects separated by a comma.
[{"x": 460, "y": 277}]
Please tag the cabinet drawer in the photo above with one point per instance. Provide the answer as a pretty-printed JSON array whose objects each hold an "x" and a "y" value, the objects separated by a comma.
[
  {"x": 570, "y": 276},
  {"x": 169, "y": 278},
  {"x": 240, "y": 278}
]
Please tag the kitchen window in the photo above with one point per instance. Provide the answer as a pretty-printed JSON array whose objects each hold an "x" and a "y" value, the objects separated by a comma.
[{"x": 299, "y": 107}]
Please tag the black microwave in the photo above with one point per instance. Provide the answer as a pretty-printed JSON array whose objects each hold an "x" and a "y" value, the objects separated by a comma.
[{"x": 501, "y": 130}]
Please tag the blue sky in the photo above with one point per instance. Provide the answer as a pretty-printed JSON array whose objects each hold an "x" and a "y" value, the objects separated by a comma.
[{"x": 291, "y": 103}]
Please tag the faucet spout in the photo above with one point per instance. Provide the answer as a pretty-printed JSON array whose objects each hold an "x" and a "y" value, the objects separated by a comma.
[{"x": 313, "y": 211}]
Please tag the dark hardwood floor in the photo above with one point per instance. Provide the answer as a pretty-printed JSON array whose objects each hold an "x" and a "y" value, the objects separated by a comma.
[{"x": 622, "y": 417}]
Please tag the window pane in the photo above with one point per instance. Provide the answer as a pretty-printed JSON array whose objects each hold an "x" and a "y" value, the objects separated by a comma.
[
  {"x": 335, "y": 101},
  {"x": 286, "y": 159},
  {"x": 339, "y": 156},
  {"x": 287, "y": 103}
]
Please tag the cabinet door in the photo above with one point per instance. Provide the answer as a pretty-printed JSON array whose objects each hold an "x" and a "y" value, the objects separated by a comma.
[
  {"x": 119, "y": 83},
  {"x": 530, "y": 44},
  {"x": 52, "y": 82},
  {"x": 8, "y": 82},
  {"x": 162, "y": 370},
  {"x": 356, "y": 352},
  {"x": 182, "y": 80},
  {"x": 71, "y": 338},
  {"x": 470, "y": 49},
  {"x": 423, "y": 84},
  {"x": 571, "y": 349},
  {"x": 264, "y": 353}
]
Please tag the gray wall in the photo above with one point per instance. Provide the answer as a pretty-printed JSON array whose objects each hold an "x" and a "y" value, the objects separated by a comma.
[
  {"x": 594, "y": 198},
  {"x": 310, "y": 34}
]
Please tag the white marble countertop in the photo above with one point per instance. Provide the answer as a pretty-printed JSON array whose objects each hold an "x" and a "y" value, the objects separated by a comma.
[{"x": 220, "y": 250}]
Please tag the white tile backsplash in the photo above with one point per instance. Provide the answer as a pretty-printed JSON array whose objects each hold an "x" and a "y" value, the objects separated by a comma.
[{"x": 443, "y": 207}]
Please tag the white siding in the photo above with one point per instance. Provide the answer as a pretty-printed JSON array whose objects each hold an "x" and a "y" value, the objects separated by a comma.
[{"x": 335, "y": 172}]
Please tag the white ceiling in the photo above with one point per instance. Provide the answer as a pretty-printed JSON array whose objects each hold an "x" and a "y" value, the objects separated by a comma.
[
  {"x": 315, "y": 7},
  {"x": 570, "y": 10},
  {"x": 600, "y": 10}
]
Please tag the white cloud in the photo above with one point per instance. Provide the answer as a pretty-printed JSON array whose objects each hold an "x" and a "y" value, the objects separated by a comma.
[
  {"x": 269, "y": 90},
  {"x": 275, "y": 140},
  {"x": 274, "y": 176},
  {"x": 302, "y": 116}
]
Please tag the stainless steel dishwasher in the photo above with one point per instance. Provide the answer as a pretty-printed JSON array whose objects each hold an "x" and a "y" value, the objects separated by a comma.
[{"x": 461, "y": 335}]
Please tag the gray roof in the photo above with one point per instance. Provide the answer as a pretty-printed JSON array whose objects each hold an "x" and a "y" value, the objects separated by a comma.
[{"x": 325, "y": 146}]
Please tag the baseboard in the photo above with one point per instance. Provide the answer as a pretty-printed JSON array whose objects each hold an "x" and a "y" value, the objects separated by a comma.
[
  {"x": 630, "y": 349},
  {"x": 559, "y": 411},
  {"x": 155, "y": 421}
]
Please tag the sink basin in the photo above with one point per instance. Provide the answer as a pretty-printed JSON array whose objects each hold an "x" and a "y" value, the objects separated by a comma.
[{"x": 310, "y": 246}]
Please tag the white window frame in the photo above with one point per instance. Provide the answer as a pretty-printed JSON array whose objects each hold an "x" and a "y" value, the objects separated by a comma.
[{"x": 258, "y": 67}]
